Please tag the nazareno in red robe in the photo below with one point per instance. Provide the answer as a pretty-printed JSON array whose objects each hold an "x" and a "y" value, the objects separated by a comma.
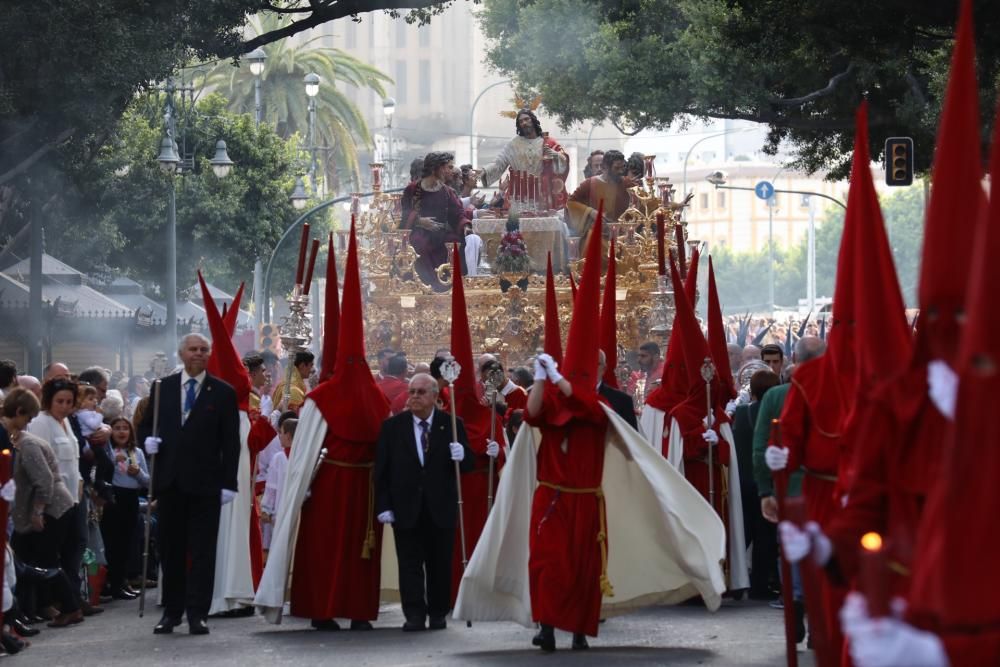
[
  {"x": 261, "y": 434},
  {"x": 565, "y": 565}
]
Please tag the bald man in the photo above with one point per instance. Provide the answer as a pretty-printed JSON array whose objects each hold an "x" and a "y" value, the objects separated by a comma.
[{"x": 31, "y": 383}]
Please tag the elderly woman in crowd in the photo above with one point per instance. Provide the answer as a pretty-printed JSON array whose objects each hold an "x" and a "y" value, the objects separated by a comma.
[
  {"x": 42, "y": 514},
  {"x": 53, "y": 426}
]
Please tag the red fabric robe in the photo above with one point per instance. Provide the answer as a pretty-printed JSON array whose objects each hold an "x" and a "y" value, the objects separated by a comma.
[
  {"x": 393, "y": 387},
  {"x": 564, "y": 565},
  {"x": 260, "y": 436},
  {"x": 332, "y": 577}
]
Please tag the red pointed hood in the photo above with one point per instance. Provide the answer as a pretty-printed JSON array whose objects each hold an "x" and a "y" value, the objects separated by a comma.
[
  {"x": 231, "y": 316},
  {"x": 553, "y": 336},
  {"x": 580, "y": 362},
  {"x": 953, "y": 538},
  {"x": 883, "y": 334},
  {"x": 352, "y": 404},
  {"x": 331, "y": 313},
  {"x": 955, "y": 202},
  {"x": 717, "y": 339},
  {"x": 225, "y": 362},
  {"x": 673, "y": 387},
  {"x": 691, "y": 281},
  {"x": 609, "y": 322},
  {"x": 468, "y": 405}
]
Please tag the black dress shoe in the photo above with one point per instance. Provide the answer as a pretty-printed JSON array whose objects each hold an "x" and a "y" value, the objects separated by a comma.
[
  {"x": 325, "y": 624},
  {"x": 413, "y": 626},
  {"x": 23, "y": 629},
  {"x": 198, "y": 626},
  {"x": 437, "y": 623},
  {"x": 122, "y": 594},
  {"x": 580, "y": 642},
  {"x": 361, "y": 625},
  {"x": 11, "y": 644},
  {"x": 166, "y": 625},
  {"x": 545, "y": 639}
]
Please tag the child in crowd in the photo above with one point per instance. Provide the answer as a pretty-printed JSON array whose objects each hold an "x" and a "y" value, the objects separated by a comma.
[
  {"x": 87, "y": 411},
  {"x": 270, "y": 503},
  {"x": 119, "y": 522}
]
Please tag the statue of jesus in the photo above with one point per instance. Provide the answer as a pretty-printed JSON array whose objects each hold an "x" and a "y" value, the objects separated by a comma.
[{"x": 538, "y": 168}]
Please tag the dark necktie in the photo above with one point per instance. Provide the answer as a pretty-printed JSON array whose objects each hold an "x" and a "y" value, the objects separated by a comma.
[
  {"x": 189, "y": 397},
  {"x": 425, "y": 437}
]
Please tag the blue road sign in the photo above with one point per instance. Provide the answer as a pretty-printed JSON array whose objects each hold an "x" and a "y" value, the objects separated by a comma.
[{"x": 764, "y": 190}]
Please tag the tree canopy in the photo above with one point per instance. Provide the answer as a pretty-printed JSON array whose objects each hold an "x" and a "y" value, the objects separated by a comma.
[{"x": 800, "y": 66}]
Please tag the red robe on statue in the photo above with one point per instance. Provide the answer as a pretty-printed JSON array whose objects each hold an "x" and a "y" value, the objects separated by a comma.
[{"x": 565, "y": 565}]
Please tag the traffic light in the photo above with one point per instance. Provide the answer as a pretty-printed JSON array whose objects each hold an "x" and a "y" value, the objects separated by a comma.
[
  {"x": 268, "y": 337},
  {"x": 899, "y": 161}
]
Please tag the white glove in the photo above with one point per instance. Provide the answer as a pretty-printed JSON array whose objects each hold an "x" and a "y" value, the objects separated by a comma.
[
  {"x": 731, "y": 407},
  {"x": 275, "y": 416},
  {"x": 228, "y": 496},
  {"x": 711, "y": 437},
  {"x": 492, "y": 449},
  {"x": 386, "y": 517},
  {"x": 457, "y": 451},
  {"x": 152, "y": 445},
  {"x": 942, "y": 387},
  {"x": 796, "y": 544},
  {"x": 888, "y": 642},
  {"x": 266, "y": 405},
  {"x": 540, "y": 373},
  {"x": 776, "y": 458},
  {"x": 8, "y": 490},
  {"x": 551, "y": 367}
]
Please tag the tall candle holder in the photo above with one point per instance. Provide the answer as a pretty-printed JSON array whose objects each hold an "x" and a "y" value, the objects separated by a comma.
[
  {"x": 377, "y": 168},
  {"x": 295, "y": 333},
  {"x": 661, "y": 317}
]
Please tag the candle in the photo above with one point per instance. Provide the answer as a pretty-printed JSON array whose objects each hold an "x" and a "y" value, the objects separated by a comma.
[
  {"x": 312, "y": 265},
  {"x": 661, "y": 262},
  {"x": 303, "y": 243},
  {"x": 873, "y": 579},
  {"x": 681, "y": 250}
]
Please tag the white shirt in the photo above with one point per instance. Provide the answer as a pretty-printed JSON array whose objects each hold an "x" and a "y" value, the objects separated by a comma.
[
  {"x": 418, "y": 433},
  {"x": 199, "y": 381},
  {"x": 65, "y": 446}
]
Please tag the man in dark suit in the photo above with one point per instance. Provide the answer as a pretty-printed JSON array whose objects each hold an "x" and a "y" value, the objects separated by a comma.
[
  {"x": 197, "y": 453},
  {"x": 415, "y": 491},
  {"x": 619, "y": 401}
]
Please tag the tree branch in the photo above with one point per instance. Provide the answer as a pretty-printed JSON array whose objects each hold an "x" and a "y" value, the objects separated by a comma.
[
  {"x": 822, "y": 92},
  {"x": 29, "y": 161},
  {"x": 324, "y": 13}
]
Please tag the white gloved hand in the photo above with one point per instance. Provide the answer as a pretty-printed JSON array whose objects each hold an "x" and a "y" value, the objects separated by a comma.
[
  {"x": 8, "y": 490},
  {"x": 540, "y": 373},
  {"x": 731, "y": 407},
  {"x": 889, "y": 642},
  {"x": 275, "y": 416},
  {"x": 711, "y": 437},
  {"x": 492, "y": 449},
  {"x": 152, "y": 445},
  {"x": 551, "y": 367},
  {"x": 796, "y": 544},
  {"x": 228, "y": 496},
  {"x": 386, "y": 517},
  {"x": 266, "y": 405},
  {"x": 776, "y": 458},
  {"x": 942, "y": 387},
  {"x": 457, "y": 451}
]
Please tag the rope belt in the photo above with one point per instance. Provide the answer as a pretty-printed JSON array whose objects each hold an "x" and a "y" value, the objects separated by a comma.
[
  {"x": 820, "y": 475},
  {"x": 602, "y": 536},
  {"x": 898, "y": 568},
  {"x": 369, "y": 543}
]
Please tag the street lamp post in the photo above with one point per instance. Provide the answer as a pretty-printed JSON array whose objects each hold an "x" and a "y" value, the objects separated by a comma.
[
  {"x": 690, "y": 150},
  {"x": 174, "y": 163},
  {"x": 389, "y": 108},
  {"x": 472, "y": 118},
  {"x": 312, "y": 82},
  {"x": 718, "y": 179},
  {"x": 257, "y": 58}
]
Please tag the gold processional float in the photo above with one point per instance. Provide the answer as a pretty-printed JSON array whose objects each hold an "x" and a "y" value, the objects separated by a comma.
[{"x": 403, "y": 313}]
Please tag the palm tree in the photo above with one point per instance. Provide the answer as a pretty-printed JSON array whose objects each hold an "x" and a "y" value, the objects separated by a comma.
[{"x": 340, "y": 125}]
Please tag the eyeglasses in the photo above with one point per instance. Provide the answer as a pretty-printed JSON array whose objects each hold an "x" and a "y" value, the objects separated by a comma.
[{"x": 419, "y": 392}]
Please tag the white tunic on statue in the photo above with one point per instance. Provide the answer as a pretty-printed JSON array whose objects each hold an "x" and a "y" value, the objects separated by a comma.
[{"x": 522, "y": 154}]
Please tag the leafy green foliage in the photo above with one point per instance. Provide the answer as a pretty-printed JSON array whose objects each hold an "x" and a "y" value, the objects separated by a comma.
[{"x": 801, "y": 66}]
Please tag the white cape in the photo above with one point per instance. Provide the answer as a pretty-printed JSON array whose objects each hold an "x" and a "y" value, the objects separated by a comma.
[
  {"x": 651, "y": 426},
  {"x": 233, "y": 585},
  {"x": 309, "y": 435},
  {"x": 665, "y": 544}
]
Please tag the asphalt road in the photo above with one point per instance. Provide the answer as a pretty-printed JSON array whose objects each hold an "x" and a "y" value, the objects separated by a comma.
[{"x": 740, "y": 633}]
